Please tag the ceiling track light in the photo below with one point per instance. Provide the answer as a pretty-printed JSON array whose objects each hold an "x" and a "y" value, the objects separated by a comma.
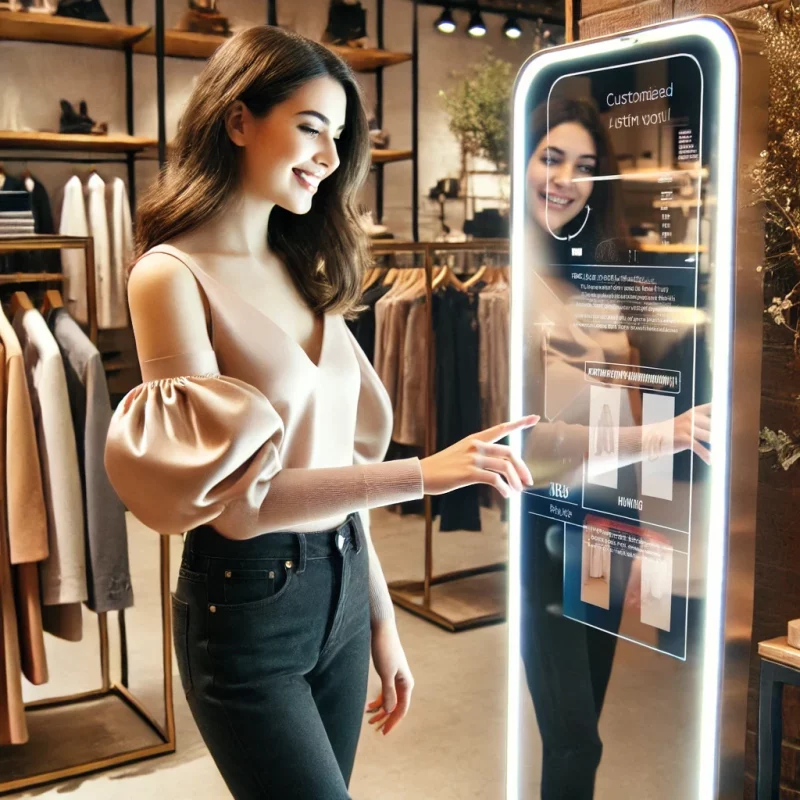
[
  {"x": 512, "y": 28},
  {"x": 445, "y": 23},
  {"x": 476, "y": 27}
]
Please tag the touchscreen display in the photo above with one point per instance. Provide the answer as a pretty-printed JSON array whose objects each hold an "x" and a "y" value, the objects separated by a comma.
[{"x": 615, "y": 264}]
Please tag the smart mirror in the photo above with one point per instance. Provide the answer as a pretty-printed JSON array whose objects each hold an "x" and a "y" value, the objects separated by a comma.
[{"x": 635, "y": 304}]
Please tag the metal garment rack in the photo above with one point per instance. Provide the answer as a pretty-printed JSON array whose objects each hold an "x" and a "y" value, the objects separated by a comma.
[
  {"x": 16, "y": 760},
  {"x": 429, "y": 598}
]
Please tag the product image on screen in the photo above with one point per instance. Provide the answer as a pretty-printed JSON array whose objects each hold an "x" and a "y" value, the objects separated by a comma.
[{"x": 616, "y": 193}]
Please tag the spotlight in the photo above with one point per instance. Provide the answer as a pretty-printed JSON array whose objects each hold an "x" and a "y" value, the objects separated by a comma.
[
  {"x": 445, "y": 23},
  {"x": 512, "y": 28},
  {"x": 476, "y": 27}
]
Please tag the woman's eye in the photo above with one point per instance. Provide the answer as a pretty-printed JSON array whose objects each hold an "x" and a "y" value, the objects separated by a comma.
[
  {"x": 309, "y": 130},
  {"x": 549, "y": 160},
  {"x": 587, "y": 169}
]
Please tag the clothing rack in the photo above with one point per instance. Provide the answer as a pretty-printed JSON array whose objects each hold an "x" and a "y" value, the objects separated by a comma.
[
  {"x": 32, "y": 764},
  {"x": 433, "y": 597}
]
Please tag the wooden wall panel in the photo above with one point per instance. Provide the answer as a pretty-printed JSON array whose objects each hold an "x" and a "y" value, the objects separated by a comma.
[{"x": 622, "y": 19}]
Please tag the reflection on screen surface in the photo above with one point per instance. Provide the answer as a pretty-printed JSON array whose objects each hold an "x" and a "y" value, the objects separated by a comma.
[{"x": 620, "y": 198}]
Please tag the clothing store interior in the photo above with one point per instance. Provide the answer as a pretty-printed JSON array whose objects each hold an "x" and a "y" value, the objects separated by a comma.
[{"x": 561, "y": 637}]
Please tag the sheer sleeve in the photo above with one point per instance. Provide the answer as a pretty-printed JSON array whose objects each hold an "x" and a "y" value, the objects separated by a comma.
[{"x": 203, "y": 448}]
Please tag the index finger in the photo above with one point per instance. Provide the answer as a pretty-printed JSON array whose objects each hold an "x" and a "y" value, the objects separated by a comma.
[{"x": 504, "y": 428}]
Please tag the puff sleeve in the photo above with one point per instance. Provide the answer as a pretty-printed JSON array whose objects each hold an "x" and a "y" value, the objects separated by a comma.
[{"x": 187, "y": 451}]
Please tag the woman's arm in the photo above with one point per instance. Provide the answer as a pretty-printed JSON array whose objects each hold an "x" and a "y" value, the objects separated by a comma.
[{"x": 192, "y": 447}]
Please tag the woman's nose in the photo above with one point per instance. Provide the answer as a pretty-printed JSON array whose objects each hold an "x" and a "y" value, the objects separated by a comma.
[
  {"x": 329, "y": 156},
  {"x": 562, "y": 173}
]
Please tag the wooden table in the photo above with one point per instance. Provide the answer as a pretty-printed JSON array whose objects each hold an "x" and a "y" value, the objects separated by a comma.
[{"x": 780, "y": 664}]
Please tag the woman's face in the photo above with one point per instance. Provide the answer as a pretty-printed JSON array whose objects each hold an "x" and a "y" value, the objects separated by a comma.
[
  {"x": 291, "y": 150},
  {"x": 553, "y": 196}
]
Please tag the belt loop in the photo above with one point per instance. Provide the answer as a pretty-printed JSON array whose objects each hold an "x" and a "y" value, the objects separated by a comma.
[{"x": 301, "y": 564}]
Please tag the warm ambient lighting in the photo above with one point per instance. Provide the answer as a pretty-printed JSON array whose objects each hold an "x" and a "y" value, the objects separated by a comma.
[
  {"x": 512, "y": 28},
  {"x": 445, "y": 23},
  {"x": 477, "y": 27}
]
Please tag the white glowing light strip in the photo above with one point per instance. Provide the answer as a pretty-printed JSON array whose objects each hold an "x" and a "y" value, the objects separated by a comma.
[
  {"x": 641, "y": 176},
  {"x": 720, "y": 36},
  {"x": 726, "y": 147}
]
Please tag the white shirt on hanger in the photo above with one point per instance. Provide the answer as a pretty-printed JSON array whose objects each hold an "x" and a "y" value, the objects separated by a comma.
[
  {"x": 73, "y": 262},
  {"x": 64, "y": 572},
  {"x": 98, "y": 229},
  {"x": 120, "y": 229}
]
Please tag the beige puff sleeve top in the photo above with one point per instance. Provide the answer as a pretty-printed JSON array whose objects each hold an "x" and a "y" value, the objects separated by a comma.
[{"x": 252, "y": 437}]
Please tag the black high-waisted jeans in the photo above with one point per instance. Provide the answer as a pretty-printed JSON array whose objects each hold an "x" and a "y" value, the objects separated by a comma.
[{"x": 272, "y": 637}]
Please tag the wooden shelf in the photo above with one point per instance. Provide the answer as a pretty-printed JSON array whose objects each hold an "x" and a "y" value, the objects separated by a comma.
[
  {"x": 179, "y": 44},
  {"x": 26, "y": 27},
  {"x": 390, "y": 156},
  {"x": 35, "y": 140},
  {"x": 30, "y": 277},
  {"x": 369, "y": 59}
]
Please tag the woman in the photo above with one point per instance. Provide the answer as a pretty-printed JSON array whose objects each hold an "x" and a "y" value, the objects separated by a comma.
[
  {"x": 261, "y": 427},
  {"x": 568, "y": 664}
]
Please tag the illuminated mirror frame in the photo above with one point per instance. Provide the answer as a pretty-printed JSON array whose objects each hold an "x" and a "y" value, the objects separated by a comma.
[{"x": 721, "y": 37}]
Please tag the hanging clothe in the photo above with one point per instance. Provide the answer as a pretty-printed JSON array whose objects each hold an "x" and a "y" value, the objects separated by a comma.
[
  {"x": 26, "y": 520},
  {"x": 74, "y": 222},
  {"x": 109, "y": 579},
  {"x": 13, "y": 728},
  {"x": 64, "y": 572},
  {"x": 363, "y": 326},
  {"x": 458, "y": 411},
  {"x": 113, "y": 302},
  {"x": 98, "y": 229}
]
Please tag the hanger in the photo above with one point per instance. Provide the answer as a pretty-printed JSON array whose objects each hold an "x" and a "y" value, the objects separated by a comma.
[
  {"x": 448, "y": 278},
  {"x": 20, "y": 302},
  {"x": 390, "y": 276},
  {"x": 52, "y": 299},
  {"x": 479, "y": 273}
]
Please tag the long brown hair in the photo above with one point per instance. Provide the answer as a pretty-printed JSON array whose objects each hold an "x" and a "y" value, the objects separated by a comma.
[
  {"x": 325, "y": 251},
  {"x": 607, "y": 222}
]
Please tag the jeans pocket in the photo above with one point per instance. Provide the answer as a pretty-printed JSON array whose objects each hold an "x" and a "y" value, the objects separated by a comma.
[
  {"x": 180, "y": 638},
  {"x": 246, "y": 588}
]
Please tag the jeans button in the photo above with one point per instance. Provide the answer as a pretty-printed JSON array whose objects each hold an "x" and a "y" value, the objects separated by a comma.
[
  {"x": 289, "y": 565},
  {"x": 227, "y": 573},
  {"x": 212, "y": 609}
]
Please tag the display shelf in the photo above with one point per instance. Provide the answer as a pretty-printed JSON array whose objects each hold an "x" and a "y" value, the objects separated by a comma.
[
  {"x": 390, "y": 156},
  {"x": 37, "y": 140},
  {"x": 180, "y": 44},
  {"x": 369, "y": 59},
  {"x": 26, "y": 27}
]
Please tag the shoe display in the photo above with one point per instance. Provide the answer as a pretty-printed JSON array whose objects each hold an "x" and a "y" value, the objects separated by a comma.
[
  {"x": 73, "y": 121},
  {"x": 347, "y": 24},
  {"x": 203, "y": 17},
  {"x": 90, "y": 10},
  {"x": 379, "y": 139}
]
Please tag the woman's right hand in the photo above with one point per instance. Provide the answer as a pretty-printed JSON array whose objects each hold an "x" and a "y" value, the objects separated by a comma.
[{"x": 479, "y": 459}]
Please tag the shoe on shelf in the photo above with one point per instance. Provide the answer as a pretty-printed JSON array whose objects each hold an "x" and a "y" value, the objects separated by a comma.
[{"x": 89, "y": 10}]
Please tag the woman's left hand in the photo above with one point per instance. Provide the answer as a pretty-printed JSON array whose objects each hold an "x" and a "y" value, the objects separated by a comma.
[{"x": 392, "y": 704}]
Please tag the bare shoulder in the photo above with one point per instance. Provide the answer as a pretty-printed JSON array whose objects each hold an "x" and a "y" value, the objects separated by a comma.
[{"x": 168, "y": 309}]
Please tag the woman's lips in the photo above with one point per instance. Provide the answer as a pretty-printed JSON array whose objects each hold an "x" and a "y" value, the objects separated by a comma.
[
  {"x": 556, "y": 202},
  {"x": 308, "y": 182}
]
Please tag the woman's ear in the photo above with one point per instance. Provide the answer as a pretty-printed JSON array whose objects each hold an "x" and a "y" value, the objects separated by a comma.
[{"x": 235, "y": 118}]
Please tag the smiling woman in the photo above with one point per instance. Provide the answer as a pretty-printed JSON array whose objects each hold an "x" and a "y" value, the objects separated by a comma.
[
  {"x": 261, "y": 427},
  {"x": 265, "y": 103}
]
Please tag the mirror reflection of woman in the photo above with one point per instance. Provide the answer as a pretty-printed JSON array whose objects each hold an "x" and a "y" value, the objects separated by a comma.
[{"x": 568, "y": 665}]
